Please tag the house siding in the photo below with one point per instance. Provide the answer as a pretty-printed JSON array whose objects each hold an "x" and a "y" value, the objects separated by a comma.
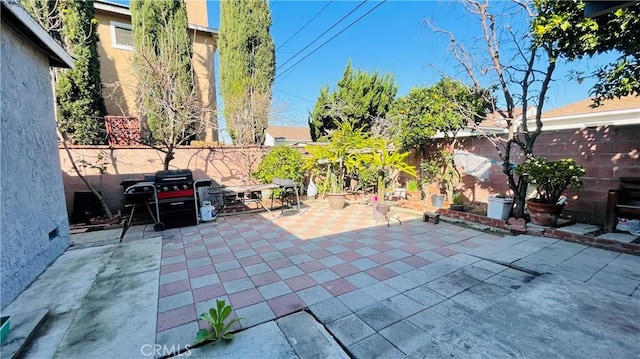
[{"x": 33, "y": 203}]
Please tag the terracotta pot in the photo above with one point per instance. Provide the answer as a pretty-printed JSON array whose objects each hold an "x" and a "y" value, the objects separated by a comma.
[
  {"x": 544, "y": 214},
  {"x": 336, "y": 200}
]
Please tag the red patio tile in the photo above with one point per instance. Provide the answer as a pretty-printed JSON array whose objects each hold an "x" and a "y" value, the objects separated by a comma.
[
  {"x": 174, "y": 267},
  {"x": 265, "y": 249},
  {"x": 232, "y": 274},
  {"x": 280, "y": 263},
  {"x": 225, "y": 257},
  {"x": 193, "y": 243},
  {"x": 381, "y": 273},
  {"x": 345, "y": 269},
  {"x": 196, "y": 255},
  {"x": 215, "y": 245},
  {"x": 201, "y": 270},
  {"x": 320, "y": 253},
  {"x": 245, "y": 298},
  {"x": 311, "y": 266},
  {"x": 264, "y": 278},
  {"x": 239, "y": 247},
  {"x": 286, "y": 304},
  {"x": 353, "y": 245},
  {"x": 166, "y": 253},
  {"x": 438, "y": 242},
  {"x": 175, "y": 317},
  {"x": 381, "y": 247},
  {"x": 469, "y": 244},
  {"x": 416, "y": 261},
  {"x": 208, "y": 292},
  {"x": 326, "y": 243},
  {"x": 444, "y": 251},
  {"x": 339, "y": 286},
  {"x": 300, "y": 282},
  {"x": 247, "y": 261},
  {"x": 382, "y": 258},
  {"x": 174, "y": 288},
  {"x": 349, "y": 256},
  {"x": 292, "y": 251},
  {"x": 412, "y": 249}
]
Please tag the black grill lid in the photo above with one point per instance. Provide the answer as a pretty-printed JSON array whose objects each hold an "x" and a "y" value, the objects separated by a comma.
[{"x": 174, "y": 176}]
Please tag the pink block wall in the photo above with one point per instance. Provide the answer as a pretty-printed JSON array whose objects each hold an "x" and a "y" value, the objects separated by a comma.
[
  {"x": 608, "y": 153},
  {"x": 225, "y": 165}
]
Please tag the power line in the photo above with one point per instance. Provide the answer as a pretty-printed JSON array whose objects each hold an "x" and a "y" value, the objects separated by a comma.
[
  {"x": 305, "y": 25},
  {"x": 333, "y": 37},
  {"x": 317, "y": 38},
  {"x": 296, "y": 96}
]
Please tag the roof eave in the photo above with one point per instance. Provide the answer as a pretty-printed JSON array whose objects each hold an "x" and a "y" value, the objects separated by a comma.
[{"x": 58, "y": 56}]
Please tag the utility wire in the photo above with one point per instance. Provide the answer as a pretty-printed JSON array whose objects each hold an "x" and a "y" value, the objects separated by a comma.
[
  {"x": 305, "y": 25},
  {"x": 333, "y": 37},
  {"x": 317, "y": 38}
]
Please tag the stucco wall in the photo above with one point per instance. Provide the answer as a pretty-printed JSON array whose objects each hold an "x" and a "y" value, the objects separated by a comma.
[
  {"x": 33, "y": 206},
  {"x": 226, "y": 165}
]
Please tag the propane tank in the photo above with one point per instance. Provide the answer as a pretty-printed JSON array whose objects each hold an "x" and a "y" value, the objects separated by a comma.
[{"x": 207, "y": 211}]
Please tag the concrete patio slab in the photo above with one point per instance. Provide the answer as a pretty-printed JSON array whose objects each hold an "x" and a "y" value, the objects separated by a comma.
[{"x": 551, "y": 317}]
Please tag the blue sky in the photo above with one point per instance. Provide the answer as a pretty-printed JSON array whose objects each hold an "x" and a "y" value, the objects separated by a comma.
[{"x": 393, "y": 38}]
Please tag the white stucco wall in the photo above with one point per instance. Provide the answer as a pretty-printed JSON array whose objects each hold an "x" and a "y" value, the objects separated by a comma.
[{"x": 33, "y": 205}]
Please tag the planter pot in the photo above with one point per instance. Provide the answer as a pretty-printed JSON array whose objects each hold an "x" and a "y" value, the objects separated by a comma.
[
  {"x": 499, "y": 208},
  {"x": 4, "y": 327},
  {"x": 457, "y": 207},
  {"x": 437, "y": 200},
  {"x": 336, "y": 201},
  {"x": 414, "y": 195},
  {"x": 544, "y": 214}
]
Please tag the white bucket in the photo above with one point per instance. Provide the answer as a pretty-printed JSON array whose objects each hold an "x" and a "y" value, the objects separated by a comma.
[
  {"x": 499, "y": 208},
  {"x": 207, "y": 211}
]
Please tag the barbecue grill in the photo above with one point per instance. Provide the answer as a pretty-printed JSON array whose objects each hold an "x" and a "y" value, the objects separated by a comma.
[
  {"x": 175, "y": 198},
  {"x": 137, "y": 194}
]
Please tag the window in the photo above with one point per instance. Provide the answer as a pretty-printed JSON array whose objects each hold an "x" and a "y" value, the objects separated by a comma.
[{"x": 121, "y": 36}]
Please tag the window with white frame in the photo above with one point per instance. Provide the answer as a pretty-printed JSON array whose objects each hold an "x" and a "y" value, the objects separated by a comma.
[{"x": 121, "y": 36}]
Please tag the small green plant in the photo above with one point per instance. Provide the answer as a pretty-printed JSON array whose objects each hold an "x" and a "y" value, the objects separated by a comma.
[
  {"x": 430, "y": 170},
  {"x": 216, "y": 317},
  {"x": 412, "y": 185},
  {"x": 457, "y": 199}
]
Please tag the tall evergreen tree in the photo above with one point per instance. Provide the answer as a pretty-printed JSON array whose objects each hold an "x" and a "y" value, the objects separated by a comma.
[
  {"x": 360, "y": 97},
  {"x": 247, "y": 68},
  {"x": 162, "y": 64},
  {"x": 80, "y": 106}
]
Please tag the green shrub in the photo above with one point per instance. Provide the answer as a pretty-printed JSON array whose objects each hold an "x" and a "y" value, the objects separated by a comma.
[
  {"x": 281, "y": 162},
  {"x": 412, "y": 185}
]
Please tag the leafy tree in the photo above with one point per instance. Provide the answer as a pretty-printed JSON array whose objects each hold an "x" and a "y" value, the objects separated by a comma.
[
  {"x": 80, "y": 106},
  {"x": 162, "y": 64},
  {"x": 447, "y": 107},
  {"x": 563, "y": 23},
  {"x": 281, "y": 162},
  {"x": 523, "y": 81},
  {"x": 360, "y": 96},
  {"x": 247, "y": 68}
]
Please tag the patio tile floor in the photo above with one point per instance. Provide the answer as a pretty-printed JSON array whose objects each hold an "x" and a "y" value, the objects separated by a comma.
[{"x": 378, "y": 289}]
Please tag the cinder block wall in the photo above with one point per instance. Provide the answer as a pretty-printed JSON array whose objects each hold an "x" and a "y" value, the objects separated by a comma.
[
  {"x": 608, "y": 153},
  {"x": 225, "y": 165}
]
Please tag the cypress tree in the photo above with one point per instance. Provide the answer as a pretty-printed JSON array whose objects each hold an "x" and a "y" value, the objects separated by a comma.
[
  {"x": 80, "y": 106},
  {"x": 247, "y": 68}
]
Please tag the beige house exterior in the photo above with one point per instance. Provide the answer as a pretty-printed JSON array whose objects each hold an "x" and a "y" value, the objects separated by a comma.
[{"x": 116, "y": 50}]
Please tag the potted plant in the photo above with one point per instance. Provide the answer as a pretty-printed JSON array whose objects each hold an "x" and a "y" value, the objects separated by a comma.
[
  {"x": 413, "y": 190},
  {"x": 551, "y": 179},
  {"x": 457, "y": 202},
  {"x": 499, "y": 206}
]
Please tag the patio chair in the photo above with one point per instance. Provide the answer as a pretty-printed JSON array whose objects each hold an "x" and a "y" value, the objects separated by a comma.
[{"x": 381, "y": 213}]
